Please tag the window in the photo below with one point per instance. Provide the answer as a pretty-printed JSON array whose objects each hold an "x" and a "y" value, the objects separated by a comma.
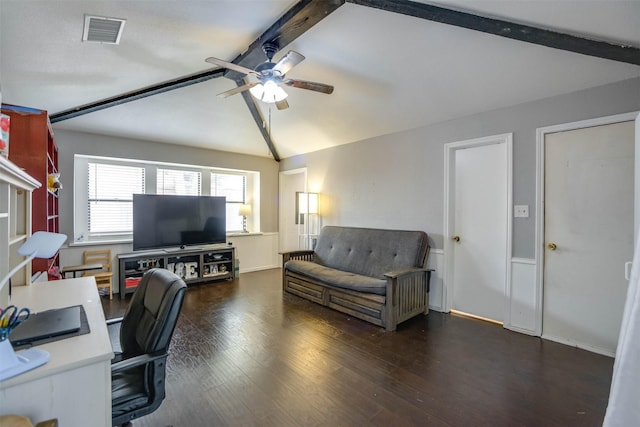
[
  {"x": 180, "y": 182},
  {"x": 104, "y": 188},
  {"x": 233, "y": 187},
  {"x": 110, "y": 197}
]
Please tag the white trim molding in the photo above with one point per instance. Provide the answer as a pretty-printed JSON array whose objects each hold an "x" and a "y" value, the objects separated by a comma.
[{"x": 523, "y": 296}]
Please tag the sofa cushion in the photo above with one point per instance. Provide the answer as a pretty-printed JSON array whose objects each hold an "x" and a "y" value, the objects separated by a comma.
[
  {"x": 370, "y": 252},
  {"x": 338, "y": 278}
]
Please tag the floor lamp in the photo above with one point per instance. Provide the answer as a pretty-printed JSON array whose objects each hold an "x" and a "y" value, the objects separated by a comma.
[
  {"x": 308, "y": 218},
  {"x": 41, "y": 244}
]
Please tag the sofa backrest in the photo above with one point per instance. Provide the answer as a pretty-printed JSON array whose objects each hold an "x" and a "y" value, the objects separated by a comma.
[{"x": 370, "y": 251}]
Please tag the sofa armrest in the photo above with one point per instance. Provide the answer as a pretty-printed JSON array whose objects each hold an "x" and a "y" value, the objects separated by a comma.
[
  {"x": 406, "y": 290},
  {"x": 403, "y": 271},
  {"x": 305, "y": 255}
]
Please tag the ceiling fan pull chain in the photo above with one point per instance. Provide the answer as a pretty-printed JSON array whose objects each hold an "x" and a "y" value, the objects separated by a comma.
[{"x": 269, "y": 131}]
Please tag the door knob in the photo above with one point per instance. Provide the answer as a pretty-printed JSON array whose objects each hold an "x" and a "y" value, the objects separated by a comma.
[
  {"x": 552, "y": 246},
  {"x": 456, "y": 238}
]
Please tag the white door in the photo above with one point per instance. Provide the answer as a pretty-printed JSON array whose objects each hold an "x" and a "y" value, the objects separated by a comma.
[
  {"x": 290, "y": 183},
  {"x": 480, "y": 228},
  {"x": 589, "y": 200}
]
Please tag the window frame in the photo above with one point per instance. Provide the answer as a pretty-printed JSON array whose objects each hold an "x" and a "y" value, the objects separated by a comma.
[{"x": 81, "y": 233}]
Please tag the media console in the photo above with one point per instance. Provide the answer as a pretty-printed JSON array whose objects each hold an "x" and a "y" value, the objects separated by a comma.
[{"x": 192, "y": 264}]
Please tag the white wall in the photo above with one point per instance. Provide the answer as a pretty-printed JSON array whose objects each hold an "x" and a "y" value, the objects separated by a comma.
[
  {"x": 71, "y": 143},
  {"x": 398, "y": 180},
  {"x": 254, "y": 251}
]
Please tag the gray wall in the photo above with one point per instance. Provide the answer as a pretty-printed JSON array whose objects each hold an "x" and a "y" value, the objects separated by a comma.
[
  {"x": 397, "y": 180},
  {"x": 70, "y": 143}
]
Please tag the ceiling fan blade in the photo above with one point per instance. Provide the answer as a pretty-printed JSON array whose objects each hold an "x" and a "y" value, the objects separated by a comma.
[
  {"x": 237, "y": 90},
  {"x": 231, "y": 66},
  {"x": 287, "y": 62},
  {"x": 317, "y": 87},
  {"x": 282, "y": 105}
]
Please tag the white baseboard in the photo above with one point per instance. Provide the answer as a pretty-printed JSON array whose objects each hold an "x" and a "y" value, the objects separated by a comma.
[{"x": 582, "y": 346}]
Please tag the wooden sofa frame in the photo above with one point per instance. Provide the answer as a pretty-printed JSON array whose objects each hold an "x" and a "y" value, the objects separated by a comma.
[{"x": 407, "y": 293}]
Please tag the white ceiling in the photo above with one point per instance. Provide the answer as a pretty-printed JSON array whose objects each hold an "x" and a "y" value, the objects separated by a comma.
[{"x": 390, "y": 72}]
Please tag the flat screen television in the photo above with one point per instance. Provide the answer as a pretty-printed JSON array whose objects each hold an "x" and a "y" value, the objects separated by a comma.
[{"x": 164, "y": 221}]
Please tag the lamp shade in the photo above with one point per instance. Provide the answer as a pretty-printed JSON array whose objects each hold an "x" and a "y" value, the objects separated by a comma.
[
  {"x": 42, "y": 244},
  {"x": 245, "y": 210},
  {"x": 308, "y": 203},
  {"x": 313, "y": 203},
  {"x": 268, "y": 92}
]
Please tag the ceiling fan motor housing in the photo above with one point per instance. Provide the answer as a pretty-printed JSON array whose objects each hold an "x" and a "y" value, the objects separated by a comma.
[{"x": 270, "y": 49}]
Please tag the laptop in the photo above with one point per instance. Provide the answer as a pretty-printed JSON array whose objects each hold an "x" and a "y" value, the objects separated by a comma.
[{"x": 46, "y": 324}]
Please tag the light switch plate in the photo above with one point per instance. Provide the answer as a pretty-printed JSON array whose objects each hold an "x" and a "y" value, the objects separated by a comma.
[{"x": 521, "y": 211}]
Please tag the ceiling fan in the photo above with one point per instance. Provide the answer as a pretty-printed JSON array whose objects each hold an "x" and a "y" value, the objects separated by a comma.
[{"x": 271, "y": 77}]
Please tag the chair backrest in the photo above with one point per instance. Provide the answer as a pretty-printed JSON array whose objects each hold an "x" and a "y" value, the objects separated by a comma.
[
  {"x": 150, "y": 319},
  {"x": 99, "y": 256}
]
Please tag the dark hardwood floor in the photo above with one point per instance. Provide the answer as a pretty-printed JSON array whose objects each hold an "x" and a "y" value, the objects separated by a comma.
[{"x": 244, "y": 354}]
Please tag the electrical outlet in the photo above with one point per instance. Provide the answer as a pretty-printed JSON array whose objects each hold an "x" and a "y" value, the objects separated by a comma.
[{"x": 521, "y": 211}]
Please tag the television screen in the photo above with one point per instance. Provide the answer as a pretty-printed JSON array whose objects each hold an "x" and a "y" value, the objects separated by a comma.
[{"x": 161, "y": 221}]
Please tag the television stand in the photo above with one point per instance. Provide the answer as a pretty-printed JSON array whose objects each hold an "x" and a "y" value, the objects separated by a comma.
[{"x": 193, "y": 265}]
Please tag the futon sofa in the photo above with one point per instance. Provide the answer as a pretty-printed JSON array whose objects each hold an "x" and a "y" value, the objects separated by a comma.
[{"x": 373, "y": 274}]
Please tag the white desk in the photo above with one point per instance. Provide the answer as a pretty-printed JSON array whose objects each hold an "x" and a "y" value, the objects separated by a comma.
[{"x": 75, "y": 385}]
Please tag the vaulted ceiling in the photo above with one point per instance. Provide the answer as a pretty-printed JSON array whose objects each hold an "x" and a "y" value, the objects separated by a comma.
[{"x": 391, "y": 71}]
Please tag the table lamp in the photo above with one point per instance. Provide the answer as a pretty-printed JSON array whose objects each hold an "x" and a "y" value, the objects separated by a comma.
[
  {"x": 41, "y": 244},
  {"x": 244, "y": 212}
]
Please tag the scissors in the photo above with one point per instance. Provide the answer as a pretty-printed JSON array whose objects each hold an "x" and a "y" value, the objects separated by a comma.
[{"x": 10, "y": 317}]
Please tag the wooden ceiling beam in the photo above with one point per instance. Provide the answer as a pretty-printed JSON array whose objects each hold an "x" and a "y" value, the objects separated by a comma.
[
  {"x": 300, "y": 18},
  {"x": 135, "y": 95},
  {"x": 297, "y": 20},
  {"x": 257, "y": 117},
  {"x": 524, "y": 33}
]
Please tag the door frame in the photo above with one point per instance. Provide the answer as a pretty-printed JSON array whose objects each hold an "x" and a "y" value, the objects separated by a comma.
[
  {"x": 541, "y": 134},
  {"x": 281, "y": 199},
  {"x": 449, "y": 214}
]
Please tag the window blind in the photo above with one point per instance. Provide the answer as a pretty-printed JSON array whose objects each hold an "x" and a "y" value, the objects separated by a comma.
[
  {"x": 179, "y": 182},
  {"x": 233, "y": 187},
  {"x": 110, "y": 197}
]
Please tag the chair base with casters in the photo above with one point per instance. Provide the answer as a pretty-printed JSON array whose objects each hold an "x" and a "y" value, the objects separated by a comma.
[{"x": 138, "y": 372}]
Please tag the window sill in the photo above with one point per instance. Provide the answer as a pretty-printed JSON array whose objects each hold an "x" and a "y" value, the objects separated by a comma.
[
  {"x": 101, "y": 242},
  {"x": 125, "y": 241},
  {"x": 241, "y": 234}
]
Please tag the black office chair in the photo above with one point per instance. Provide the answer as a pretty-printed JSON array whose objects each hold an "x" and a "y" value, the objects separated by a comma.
[{"x": 138, "y": 373}]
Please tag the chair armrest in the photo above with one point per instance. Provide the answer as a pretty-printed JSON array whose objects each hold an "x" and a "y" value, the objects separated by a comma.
[
  {"x": 132, "y": 362},
  {"x": 305, "y": 255},
  {"x": 114, "y": 321}
]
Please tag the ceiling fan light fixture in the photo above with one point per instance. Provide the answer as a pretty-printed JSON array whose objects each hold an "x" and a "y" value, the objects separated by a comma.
[{"x": 269, "y": 92}]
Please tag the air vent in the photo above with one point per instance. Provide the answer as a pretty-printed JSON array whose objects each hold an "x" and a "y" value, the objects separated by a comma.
[{"x": 99, "y": 29}]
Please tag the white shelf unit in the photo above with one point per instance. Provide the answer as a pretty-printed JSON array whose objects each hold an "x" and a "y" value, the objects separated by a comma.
[{"x": 16, "y": 188}]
